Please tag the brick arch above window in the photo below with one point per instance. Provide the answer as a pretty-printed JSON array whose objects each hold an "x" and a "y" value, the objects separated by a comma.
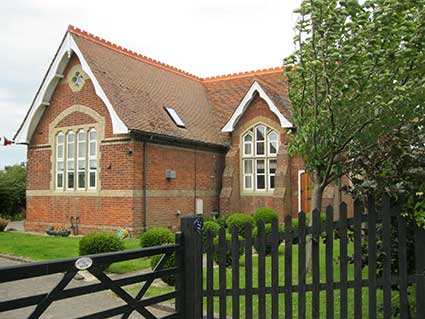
[
  {"x": 60, "y": 125},
  {"x": 77, "y": 108}
]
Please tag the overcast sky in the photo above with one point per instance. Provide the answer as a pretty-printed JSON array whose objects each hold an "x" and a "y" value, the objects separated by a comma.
[{"x": 204, "y": 37}]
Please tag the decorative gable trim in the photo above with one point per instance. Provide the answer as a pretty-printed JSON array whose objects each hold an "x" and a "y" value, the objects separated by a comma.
[
  {"x": 48, "y": 86},
  {"x": 240, "y": 110}
]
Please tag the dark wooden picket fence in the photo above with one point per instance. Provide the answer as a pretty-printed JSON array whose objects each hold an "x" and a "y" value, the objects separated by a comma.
[
  {"x": 263, "y": 274},
  {"x": 272, "y": 292}
]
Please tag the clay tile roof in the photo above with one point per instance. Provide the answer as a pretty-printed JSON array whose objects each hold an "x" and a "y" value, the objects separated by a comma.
[{"x": 140, "y": 87}]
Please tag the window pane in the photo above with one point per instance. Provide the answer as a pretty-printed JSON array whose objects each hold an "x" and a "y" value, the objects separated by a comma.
[
  {"x": 59, "y": 180},
  {"x": 261, "y": 182},
  {"x": 60, "y": 166},
  {"x": 260, "y": 148},
  {"x": 248, "y": 167},
  {"x": 248, "y": 149},
  {"x": 93, "y": 164},
  {"x": 70, "y": 148},
  {"x": 81, "y": 179},
  {"x": 71, "y": 180},
  {"x": 92, "y": 182},
  {"x": 272, "y": 166},
  {"x": 70, "y": 166},
  {"x": 260, "y": 167},
  {"x": 92, "y": 148},
  {"x": 92, "y": 135},
  {"x": 60, "y": 138},
  {"x": 273, "y": 148},
  {"x": 248, "y": 181},
  {"x": 260, "y": 131},
  {"x": 81, "y": 149},
  {"x": 81, "y": 164},
  {"x": 272, "y": 182},
  {"x": 248, "y": 138},
  {"x": 60, "y": 151}
]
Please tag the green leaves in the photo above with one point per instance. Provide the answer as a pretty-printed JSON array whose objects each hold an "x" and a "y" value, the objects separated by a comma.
[{"x": 359, "y": 74}]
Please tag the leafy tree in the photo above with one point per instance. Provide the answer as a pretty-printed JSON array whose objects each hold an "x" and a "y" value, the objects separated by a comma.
[
  {"x": 12, "y": 191},
  {"x": 358, "y": 74}
]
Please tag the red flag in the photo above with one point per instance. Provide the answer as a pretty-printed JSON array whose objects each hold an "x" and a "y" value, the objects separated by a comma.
[{"x": 6, "y": 141}]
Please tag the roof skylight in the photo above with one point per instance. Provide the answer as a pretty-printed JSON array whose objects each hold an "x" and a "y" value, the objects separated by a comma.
[{"x": 175, "y": 117}]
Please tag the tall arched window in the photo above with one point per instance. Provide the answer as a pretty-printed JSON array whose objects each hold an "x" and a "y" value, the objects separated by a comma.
[
  {"x": 76, "y": 160},
  {"x": 260, "y": 145}
]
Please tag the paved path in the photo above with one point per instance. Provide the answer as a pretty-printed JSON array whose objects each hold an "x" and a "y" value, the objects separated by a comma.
[{"x": 66, "y": 309}]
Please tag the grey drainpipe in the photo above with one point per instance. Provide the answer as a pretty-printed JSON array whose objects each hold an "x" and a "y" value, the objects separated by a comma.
[{"x": 144, "y": 184}]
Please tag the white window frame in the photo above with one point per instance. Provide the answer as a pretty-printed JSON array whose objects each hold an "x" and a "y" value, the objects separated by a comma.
[
  {"x": 175, "y": 117},
  {"x": 69, "y": 160},
  {"x": 269, "y": 142},
  {"x": 266, "y": 157},
  {"x": 60, "y": 160},
  {"x": 264, "y": 141},
  {"x": 247, "y": 142},
  {"x": 269, "y": 175},
  {"x": 262, "y": 174},
  {"x": 81, "y": 158},
  {"x": 91, "y": 158},
  {"x": 251, "y": 175}
]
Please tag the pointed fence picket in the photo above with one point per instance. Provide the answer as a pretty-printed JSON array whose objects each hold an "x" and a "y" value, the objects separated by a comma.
[{"x": 263, "y": 285}]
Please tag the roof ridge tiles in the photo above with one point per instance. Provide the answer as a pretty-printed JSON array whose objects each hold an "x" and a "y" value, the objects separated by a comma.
[
  {"x": 113, "y": 46},
  {"x": 118, "y": 48}
]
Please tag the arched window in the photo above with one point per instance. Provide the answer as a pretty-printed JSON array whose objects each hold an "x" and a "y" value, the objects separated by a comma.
[
  {"x": 259, "y": 163},
  {"x": 76, "y": 160}
]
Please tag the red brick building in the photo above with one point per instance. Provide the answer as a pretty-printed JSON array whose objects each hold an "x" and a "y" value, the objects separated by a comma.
[{"x": 118, "y": 139}]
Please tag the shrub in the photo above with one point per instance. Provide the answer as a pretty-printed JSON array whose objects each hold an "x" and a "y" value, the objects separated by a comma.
[
  {"x": 265, "y": 214},
  {"x": 97, "y": 243},
  {"x": 210, "y": 225},
  {"x": 240, "y": 220},
  {"x": 228, "y": 250},
  {"x": 156, "y": 237},
  {"x": 170, "y": 263},
  {"x": 222, "y": 221},
  {"x": 3, "y": 224},
  {"x": 268, "y": 232}
]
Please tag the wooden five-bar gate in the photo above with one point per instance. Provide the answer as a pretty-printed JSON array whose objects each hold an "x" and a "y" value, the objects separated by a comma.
[{"x": 261, "y": 272}]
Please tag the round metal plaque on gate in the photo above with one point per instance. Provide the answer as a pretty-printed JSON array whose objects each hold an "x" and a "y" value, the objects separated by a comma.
[{"x": 83, "y": 263}]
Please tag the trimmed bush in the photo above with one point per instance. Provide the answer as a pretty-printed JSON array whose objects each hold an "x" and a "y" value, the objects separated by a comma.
[
  {"x": 265, "y": 214},
  {"x": 3, "y": 224},
  {"x": 97, "y": 243},
  {"x": 170, "y": 263},
  {"x": 240, "y": 220},
  {"x": 210, "y": 225},
  {"x": 222, "y": 221},
  {"x": 228, "y": 251},
  {"x": 268, "y": 232},
  {"x": 156, "y": 237}
]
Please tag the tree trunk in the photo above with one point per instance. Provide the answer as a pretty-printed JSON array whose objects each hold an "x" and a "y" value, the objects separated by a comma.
[{"x": 316, "y": 203}]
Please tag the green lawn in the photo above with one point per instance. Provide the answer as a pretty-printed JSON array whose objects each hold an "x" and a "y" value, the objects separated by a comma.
[
  {"x": 323, "y": 305},
  {"x": 38, "y": 247}
]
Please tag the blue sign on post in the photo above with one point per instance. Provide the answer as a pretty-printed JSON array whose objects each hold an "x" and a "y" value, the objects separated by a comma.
[{"x": 198, "y": 225}]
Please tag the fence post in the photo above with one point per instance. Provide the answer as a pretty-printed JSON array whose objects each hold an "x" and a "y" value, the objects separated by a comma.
[
  {"x": 192, "y": 274},
  {"x": 420, "y": 272}
]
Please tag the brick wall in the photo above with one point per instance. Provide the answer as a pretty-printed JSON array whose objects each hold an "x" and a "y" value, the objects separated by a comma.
[
  {"x": 119, "y": 198},
  {"x": 284, "y": 199}
]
